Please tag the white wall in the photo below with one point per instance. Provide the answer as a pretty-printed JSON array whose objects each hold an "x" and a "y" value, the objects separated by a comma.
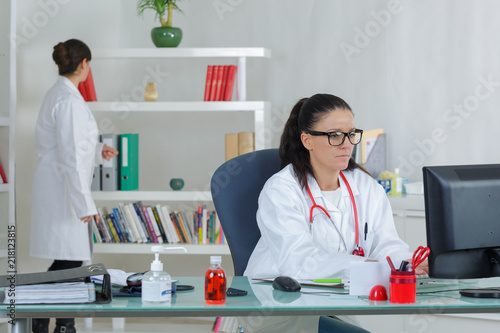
[{"x": 406, "y": 66}]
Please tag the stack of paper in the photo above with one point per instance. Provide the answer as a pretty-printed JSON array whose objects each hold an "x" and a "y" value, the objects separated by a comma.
[
  {"x": 117, "y": 276},
  {"x": 51, "y": 293}
]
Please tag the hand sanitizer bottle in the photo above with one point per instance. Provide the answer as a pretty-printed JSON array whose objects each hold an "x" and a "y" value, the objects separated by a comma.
[
  {"x": 396, "y": 184},
  {"x": 156, "y": 284}
]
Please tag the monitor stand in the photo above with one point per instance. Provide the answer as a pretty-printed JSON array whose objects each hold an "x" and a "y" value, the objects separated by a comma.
[
  {"x": 481, "y": 293},
  {"x": 485, "y": 292}
]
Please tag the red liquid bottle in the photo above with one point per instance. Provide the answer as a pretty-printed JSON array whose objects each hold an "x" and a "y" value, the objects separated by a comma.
[{"x": 215, "y": 282}]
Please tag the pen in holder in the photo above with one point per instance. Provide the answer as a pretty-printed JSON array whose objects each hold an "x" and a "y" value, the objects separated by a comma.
[{"x": 403, "y": 286}]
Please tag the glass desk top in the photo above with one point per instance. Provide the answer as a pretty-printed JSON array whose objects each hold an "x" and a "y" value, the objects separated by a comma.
[{"x": 262, "y": 299}]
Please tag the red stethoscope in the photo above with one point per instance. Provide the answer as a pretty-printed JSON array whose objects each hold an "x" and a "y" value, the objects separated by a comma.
[{"x": 358, "y": 251}]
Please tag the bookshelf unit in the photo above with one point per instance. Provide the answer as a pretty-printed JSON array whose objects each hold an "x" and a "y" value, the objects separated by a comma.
[
  {"x": 7, "y": 132},
  {"x": 259, "y": 109}
]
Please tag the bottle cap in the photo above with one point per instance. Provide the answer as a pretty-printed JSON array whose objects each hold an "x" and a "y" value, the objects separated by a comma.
[
  {"x": 157, "y": 265},
  {"x": 215, "y": 259}
]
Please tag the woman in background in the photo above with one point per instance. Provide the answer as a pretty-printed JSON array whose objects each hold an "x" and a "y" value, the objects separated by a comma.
[{"x": 67, "y": 148}]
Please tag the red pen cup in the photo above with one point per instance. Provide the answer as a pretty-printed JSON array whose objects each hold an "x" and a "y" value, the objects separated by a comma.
[{"x": 402, "y": 287}]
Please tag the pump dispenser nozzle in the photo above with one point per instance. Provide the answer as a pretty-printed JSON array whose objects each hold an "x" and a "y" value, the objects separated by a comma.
[
  {"x": 160, "y": 248},
  {"x": 157, "y": 265}
]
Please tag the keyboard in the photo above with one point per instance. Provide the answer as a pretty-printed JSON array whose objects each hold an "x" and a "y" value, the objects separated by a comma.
[{"x": 426, "y": 282}]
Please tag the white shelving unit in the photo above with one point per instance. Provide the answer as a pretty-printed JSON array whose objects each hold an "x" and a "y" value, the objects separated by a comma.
[
  {"x": 7, "y": 126},
  {"x": 260, "y": 110}
]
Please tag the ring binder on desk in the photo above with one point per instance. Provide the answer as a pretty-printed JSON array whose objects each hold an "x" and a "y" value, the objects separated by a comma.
[
  {"x": 79, "y": 274},
  {"x": 376, "y": 158}
]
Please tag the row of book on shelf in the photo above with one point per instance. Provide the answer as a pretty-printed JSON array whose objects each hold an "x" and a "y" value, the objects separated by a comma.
[
  {"x": 227, "y": 325},
  {"x": 219, "y": 83},
  {"x": 138, "y": 223},
  {"x": 122, "y": 172},
  {"x": 239, "y": 144}
]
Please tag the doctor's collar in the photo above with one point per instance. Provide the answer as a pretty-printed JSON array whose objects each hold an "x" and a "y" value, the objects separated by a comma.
[{"x": 316, "y": 191}]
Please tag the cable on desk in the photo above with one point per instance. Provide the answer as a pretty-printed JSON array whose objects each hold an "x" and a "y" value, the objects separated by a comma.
[
  {"x": 438, "y": 291},
  {"x": 323, "y": 293}
]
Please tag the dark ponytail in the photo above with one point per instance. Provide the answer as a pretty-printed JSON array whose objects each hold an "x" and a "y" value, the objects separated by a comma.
[
  {"x": 69, "y": 55},
  {"x": 291, "y": 148},
  {"x": 305, "y": 114}
]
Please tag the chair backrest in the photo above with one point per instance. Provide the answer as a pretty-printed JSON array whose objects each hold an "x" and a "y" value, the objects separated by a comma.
[{"x": 235, "y": 187}]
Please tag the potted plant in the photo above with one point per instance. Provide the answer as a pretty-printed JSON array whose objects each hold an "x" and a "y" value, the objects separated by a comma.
[{"x": 166, "y": 35}]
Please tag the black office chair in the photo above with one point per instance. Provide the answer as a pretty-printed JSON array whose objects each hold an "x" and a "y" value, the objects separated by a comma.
[{"x": 235, "y": 187}]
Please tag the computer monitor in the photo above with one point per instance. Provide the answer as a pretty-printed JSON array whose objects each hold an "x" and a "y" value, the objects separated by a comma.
[{"x": 462, "y": 212}]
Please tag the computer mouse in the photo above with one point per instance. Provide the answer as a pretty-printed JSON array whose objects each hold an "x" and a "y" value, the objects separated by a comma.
[{"x": 286, "y": 283}]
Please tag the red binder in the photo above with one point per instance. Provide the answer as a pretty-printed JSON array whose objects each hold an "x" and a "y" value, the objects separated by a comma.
[
  {"x": 228, "y": 92},
  {"x": 87, "y": 88},
  {"x": 208, "y": 83},
  {"x": 220, "y": 77},
  {"x": 225, "y": 70},
  {"x": 213, "y": 88},
  {"x": 2, "y": 174}
]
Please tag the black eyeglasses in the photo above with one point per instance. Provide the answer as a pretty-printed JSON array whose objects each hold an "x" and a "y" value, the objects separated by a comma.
[{"x": 336, "y": 138}]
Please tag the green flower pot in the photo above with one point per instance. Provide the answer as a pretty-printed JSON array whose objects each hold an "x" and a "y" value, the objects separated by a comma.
[{"x": 166, "y": 36}]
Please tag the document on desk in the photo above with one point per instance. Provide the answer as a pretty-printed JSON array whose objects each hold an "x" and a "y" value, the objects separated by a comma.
[
  {"x": 117, "y": 276},
  {"x": 308, "y": 282},
  {"x": 51, "y": 293}
]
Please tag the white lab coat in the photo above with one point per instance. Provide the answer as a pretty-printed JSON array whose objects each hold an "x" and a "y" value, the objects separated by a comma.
[
  {"x": 289, "y": 247},
  {"x": 67, "y": 148}
]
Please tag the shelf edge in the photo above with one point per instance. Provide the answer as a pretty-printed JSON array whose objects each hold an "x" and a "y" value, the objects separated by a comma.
[
  {"x": 200, "y": 52},
  {"x": 133, "y": 248},
  {"x": 197, "y": 196},
  {"x": 129, "y": 106}
]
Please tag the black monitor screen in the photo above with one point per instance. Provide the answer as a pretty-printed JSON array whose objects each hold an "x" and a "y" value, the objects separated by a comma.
[{"x": 462, "y": 212}]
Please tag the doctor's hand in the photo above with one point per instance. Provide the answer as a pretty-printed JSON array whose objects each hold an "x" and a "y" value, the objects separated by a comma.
[
  {"x": 108, "y": 152},
  {"x": 422, "y": 269},
  {"x": 86, "y": 219}
]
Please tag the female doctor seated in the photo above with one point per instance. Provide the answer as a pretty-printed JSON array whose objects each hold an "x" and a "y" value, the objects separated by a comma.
[{"x": 322, "y": 211}]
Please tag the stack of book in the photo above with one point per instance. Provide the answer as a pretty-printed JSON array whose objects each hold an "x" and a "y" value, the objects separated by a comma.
[
  {"x": 219, "y": 83},
  {"x": 227, "y": 325},
  {"x": 138, "y": 223},
  {"x": 239, "y": 144}
]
